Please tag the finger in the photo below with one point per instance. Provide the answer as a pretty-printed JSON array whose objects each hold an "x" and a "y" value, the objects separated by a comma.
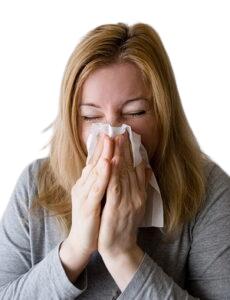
[
  {"x": 86, "y": 172},
  {"x": 126, "y": 186},
  {"x": 98, "y": 149},
  {"x": 113, "y": 194},
  {"x": 99, "y": 178},
  {"x": 118, "y": 145},
  {"x": 106, "y": 154},
  {"x": 138, "y": 190},
  {"x": 107, "y": 150},
  {"x": 123, "y": 154},
  {"x": 128, "y": 157},
  {"x": 98, "y": 182}
]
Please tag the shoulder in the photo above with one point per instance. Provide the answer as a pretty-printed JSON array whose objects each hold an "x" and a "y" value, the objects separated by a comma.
[
  {"x": 217, "y": 180},
  {"x": 32, "y": 168},
  {"x": 216, "y": 202},
  {"x": 30, "y": 172},
  {"x": 26, "y": 186}
]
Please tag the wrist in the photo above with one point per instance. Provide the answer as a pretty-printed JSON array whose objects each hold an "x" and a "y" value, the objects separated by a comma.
[
  {"x": 123, "y": 265},
  {"x": 73, "y": 260},
  {"x": 133, "y": 256}
]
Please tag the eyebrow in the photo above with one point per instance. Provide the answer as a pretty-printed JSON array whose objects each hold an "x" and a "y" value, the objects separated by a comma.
[{"x": 126, "y": 102}]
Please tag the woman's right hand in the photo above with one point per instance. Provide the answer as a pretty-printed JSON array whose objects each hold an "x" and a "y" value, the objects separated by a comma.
[{"x": 87, "y": 195}]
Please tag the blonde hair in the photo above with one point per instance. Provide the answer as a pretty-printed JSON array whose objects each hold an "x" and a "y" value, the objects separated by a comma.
[{"x": 178, "y": 162}]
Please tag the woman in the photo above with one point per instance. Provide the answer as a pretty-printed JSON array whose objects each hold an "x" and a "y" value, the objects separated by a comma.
[{"x": 97, "y": 249}]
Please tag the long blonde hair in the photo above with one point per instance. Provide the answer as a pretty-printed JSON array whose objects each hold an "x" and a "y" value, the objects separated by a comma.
[{"x": 178, "y": 162}]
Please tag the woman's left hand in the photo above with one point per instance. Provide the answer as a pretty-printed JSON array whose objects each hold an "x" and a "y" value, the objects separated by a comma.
[
  {"x": 122, "y": 214},
  {"x": 125, "y": 201}
]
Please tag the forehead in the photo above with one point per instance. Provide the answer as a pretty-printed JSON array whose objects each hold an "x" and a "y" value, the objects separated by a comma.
[{"x": 116, "y": 82}]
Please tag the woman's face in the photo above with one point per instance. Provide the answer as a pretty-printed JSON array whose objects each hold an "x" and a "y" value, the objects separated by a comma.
[{"x": 116, "y": 94}]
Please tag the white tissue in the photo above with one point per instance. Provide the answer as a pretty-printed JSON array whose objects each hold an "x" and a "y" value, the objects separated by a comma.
[
  {"x": 138, "y": 149},
  {"x": 154, "y": 207}
]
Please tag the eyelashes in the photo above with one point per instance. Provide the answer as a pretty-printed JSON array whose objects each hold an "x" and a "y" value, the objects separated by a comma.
[
  {"x": 126, "y": 116},
  {"x": 85, "y": 118},
  {"x": 139, "y": 113}
]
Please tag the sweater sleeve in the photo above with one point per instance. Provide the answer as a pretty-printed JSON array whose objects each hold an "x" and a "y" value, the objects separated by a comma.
[
  {"x": 208, "y": 269},
  {"x": 151, "y": 282},
  {"x": 18, "y": 278}
]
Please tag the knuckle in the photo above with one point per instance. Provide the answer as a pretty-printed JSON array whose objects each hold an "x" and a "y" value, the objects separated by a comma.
[
  {"x": 96, "y": 189},
  {"x": 115, "y": 189},
  {"x": 130, "y": 167},
  {"x": 102, "y": 164},
  {"x": 94, "y": 172},
  {"x": 127, "y": 212},
  {"x": 117, "y": 159},
  {"x": 139, "y": 203},
  {"x": 100, "y": 167},
  {"x": 124, "y": 175}
]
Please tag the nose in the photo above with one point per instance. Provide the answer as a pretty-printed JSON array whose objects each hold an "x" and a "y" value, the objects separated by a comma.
[{"x": 114, "y": 120}]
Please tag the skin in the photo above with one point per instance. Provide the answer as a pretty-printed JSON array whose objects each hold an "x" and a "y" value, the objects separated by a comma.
[{"x": 108, "y": 97}]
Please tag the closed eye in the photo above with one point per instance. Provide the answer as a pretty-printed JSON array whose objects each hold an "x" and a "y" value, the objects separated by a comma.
[
  {"x": 131, "y": 114},
  {"x": 138, "y": 113},
  {"x": 86, "y": 118}
]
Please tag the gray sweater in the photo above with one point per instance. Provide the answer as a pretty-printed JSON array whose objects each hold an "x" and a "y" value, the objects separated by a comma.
[{"x": 196, "y": 264}]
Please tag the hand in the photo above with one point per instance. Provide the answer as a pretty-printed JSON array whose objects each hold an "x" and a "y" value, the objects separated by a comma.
[
  {"x": 87, "y": 195},
  {"x": 122, "y": 214}
]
